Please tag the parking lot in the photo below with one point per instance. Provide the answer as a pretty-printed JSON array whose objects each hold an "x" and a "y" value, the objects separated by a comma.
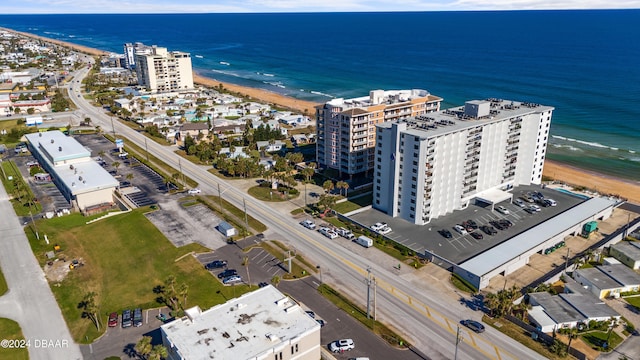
[{"x": 460, "y": 247}]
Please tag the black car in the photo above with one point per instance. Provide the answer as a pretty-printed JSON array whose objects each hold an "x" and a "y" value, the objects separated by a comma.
[
  {"x": 470, "y": 223},
  {"x": 126, "y": 319},
  {"x": 489, "y": 230},
  {"x": 476, "y": 235},
  {"x": 263, "y": 284},
  {"x": 216, "y": 264},
  {"x": 137, "y": 317},
  {"x": 497, "y": 225},
  {"x": 506, "y": 223},
  {"x": 227, "y": 273},
  {"x": 445, "y": 233},
  {"x": 473, "y": 325}
]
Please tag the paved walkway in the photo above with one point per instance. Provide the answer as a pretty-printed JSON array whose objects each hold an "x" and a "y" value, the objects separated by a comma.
[{"x": 29, "y": 300}]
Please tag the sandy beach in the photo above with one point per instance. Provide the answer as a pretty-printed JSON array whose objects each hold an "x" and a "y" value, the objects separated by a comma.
[{"x": 570, "y": 175}]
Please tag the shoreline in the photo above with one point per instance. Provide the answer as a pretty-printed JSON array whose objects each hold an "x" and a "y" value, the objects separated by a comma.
[{"x": 603, "y": 183}]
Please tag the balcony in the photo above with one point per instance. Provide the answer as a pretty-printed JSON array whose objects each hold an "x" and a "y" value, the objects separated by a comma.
[{"x": 360, "y": 121}]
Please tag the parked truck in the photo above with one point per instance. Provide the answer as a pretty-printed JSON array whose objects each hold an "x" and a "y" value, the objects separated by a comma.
[{"x": 364, "y": 241}]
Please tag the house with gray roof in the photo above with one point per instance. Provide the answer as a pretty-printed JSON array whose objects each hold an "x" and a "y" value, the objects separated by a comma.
[
  {"x": 608, "y": 280},
  {"x": 627, "y": 252},
  {"x": 575, "y": 307}
]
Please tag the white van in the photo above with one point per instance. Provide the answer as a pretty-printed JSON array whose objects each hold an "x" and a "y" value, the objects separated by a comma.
[{"x": 364, "y": 241}]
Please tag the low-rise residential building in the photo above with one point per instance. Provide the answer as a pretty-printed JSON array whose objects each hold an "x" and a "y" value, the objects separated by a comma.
[
  {"x": 627, "y": 252},
  {"x": 263, "y": 324},
  {"x": 575, "y": 307},
  {"x": 277, "y": 145},
  {"x": 197, "y": 130},
  {"x": 608, "y": 280}
]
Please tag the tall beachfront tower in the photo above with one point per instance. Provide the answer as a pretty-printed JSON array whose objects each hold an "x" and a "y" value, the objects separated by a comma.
[
  {"x": 431, "y": 165},
  {"x": 130, "y": 51},
  {"x": 162, "y": 71},
  {"x": 346, "y": 128}
]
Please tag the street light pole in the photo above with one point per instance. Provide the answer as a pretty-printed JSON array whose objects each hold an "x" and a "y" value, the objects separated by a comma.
[
  {"x": 458, "y": 340},
  {"x": 368, "y": 281}
]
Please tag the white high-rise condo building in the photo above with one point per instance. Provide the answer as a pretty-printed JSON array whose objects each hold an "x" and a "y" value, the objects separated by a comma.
[
  {"x": 163, "y": 71},
  {"x": 130, "y": 51},
  {"x": 430, "y": 165},
  {"x": 346, "y": 129}
]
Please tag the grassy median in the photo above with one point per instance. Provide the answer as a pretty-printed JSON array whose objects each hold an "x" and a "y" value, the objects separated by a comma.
[
  {"x": 124, "y": 258},
  {"x": 10, "y": 330}
]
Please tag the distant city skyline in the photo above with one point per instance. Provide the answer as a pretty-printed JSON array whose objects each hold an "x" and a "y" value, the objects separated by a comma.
[{"x": 274, "y": 6}]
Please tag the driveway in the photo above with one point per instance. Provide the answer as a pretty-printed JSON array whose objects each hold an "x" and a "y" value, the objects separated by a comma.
[{"x": 29, "y": 300}]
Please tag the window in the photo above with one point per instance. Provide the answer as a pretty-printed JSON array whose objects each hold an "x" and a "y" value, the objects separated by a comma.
[
  {"x": 415, "y": 162},
  {"x": 378, "y": 188},
  {"x": 416, "y": 147}
]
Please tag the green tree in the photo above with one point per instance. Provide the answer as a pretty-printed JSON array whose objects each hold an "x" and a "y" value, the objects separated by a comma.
[
  {"x": 90, "y": 308},
  {"x": 158, "y": 352},
  {"x": 275, "y": 280},
  {"x": 143, "y": 346},
  {"x": 116, "y": 165},
  {"x": 328, "y": 186}
]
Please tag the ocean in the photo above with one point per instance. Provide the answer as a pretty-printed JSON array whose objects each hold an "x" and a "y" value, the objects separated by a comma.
[{"x": 584, "y": 63}]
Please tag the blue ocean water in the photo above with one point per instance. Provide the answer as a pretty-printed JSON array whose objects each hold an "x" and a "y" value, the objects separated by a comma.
[{"x": 584, "y": 63}]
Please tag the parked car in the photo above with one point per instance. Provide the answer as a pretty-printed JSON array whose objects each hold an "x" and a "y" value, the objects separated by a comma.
[
  {"x": 527, "y": 198},
  {"x": 459, "y": 229},
  {"x": 126, "y": 319},
  {"x": 473, "y": 325},
  {"x": 113, "y": 319},
  {"x": 502, "y": 210},
  {"x": 194, "y": 191},
  {"x": 535, "y": 207},
  {"x": 550, "y": 202},
  {"x": 445, "y": 233},
  {"x": 232, "y": 279},
  {"x": 321, "y": 322},
  {"x": 308, "y": 224},
  {"x": 497, "y": 225},
  {"x": 519, "y": 202},
  {"x": 137, "y": 317},
  {"x": 328, "y": 232},
  {"x": 381, "y": 228},
  {"x": 227, "y": 273},
  {"x": 505, "y": 223},
  {"x": 216, "y": 264},
  {"x": 489, "y": 230},
  {"x": 263, "y": 284},
  {"x": 345, "y": 233},
  {"x": 476, "y": 235},
  {"x": 530, "y": 210},
  {"x": 341, "y": 345},
  {"x": 471, "y": 224}
]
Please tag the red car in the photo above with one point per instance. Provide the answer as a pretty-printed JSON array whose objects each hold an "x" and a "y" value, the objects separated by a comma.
[{"x": 113, "y": 319}]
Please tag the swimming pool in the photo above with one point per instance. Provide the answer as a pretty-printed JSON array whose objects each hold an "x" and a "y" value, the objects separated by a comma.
[{"x": 585, "y": 197}]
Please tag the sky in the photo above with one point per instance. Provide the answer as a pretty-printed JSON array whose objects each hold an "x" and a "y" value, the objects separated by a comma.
[{"x": 258, "y": 6}]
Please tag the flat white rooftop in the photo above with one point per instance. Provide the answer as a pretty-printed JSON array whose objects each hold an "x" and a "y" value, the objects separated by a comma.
[
  {"x": 247, "y": 327},
  {"x": 57, "y": 146},
  {"x": 387, "y": 97},
  {"x": 519, "y": 244}
]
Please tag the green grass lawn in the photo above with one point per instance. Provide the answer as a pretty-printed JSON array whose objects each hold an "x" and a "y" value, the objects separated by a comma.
[
  {"x": 266, "y": 194},
  {"x": 125, "y": 257},
  {"x": 596, "y": 339},
  {"x": 633, "y": 301},
  {"x": 350, "y": 205},
  {"x": 10, "y": 330},
  {"x": 3, "y": 285},
  {"x": 17, "y": 188}
]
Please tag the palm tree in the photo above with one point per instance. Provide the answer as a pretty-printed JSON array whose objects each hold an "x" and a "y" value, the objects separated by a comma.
[
  {"x": 345, "y": 186},
  {"x": 143, "y": 346},
  {"x": 328, "y": 186},
  {"x": 275, "y": 280},
  {"x": 116, "y": 165},
  {"x": 158, "y": 352},
  {"x": 90, "y": 308},
  {"x": 129, "y": 177},
  {"x": 183, "y": 291},
  {"x": 245, "y": 263}
]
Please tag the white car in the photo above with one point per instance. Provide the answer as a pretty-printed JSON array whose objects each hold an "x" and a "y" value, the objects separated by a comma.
[
  {"x": 381, "y": 228},
  {"x": 342, "y": 345},
  {"x": 194, "y": 191},
  {"x": 345, "y": 233},
  {"x": 460, "y": 229},
  {"x": 535, "y": 208},
  {"x": 308, "y": 224},
  {"x": 502, "y": 210},
  {"x": 328, "y": 232},
  {"x": 551, "y": 202}
]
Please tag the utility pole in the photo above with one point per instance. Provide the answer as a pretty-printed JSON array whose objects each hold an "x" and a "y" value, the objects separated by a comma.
[
  {"x": 220, "y": 198},
  {"x": 458, "y": 341},
  {"x": 626, "y": 228},
  {"x": 566, "y": 261},
  {"x": 246, "y": 222},
  {"x": 375, "y": 296},
  {"x": 368, "y": 282},
  {"x": 113, "y": 128},
  {"x": 181, "y": 173},
  {"x": 146, "y": 148}
]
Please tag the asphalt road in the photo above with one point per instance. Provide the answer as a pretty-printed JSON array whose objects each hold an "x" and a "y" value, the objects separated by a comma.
[
  {"x": 29, "y": 300},
  {"x": 427, "y": 319}
]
